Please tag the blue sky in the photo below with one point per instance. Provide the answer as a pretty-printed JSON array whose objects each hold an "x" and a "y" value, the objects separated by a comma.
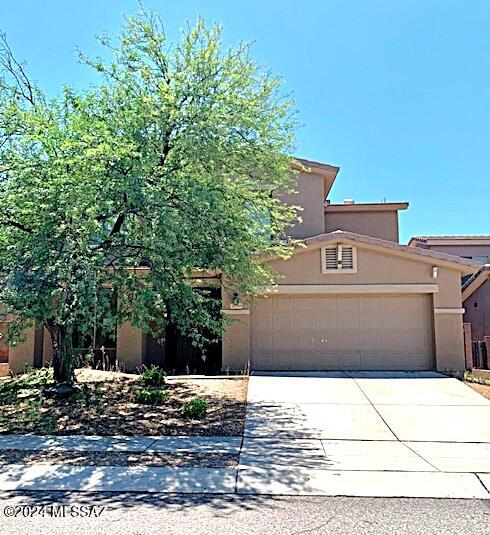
[{"x": 394, "y": 92}]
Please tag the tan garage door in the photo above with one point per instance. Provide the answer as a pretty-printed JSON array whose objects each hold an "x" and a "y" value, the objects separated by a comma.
[{"x": 368, "y": 332}]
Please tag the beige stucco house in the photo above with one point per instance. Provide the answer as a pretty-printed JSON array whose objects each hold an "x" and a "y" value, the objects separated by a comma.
[{"x": 350, "y": 297}]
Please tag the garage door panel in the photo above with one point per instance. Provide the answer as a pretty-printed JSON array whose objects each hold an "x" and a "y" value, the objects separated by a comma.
[
  {"x": 284, "y": 361},
  {"x": 369, "y": 323},
  {"x": 393, "y": 340},
  {"x": 283, "y": 340},
  {"x": 329, "y": 360},
  {"x": 305, "y": 339},
  {"x": 303, "y": 304},
  {"x": 263, "y": 340},
  {"x": 266, "y": 360},
  {"x": 350, "y": 361},
  {"x": 370, "y": 303},
  {"x": 263, "y": 304},
  {"x": 263, "y": 309},
  {"x": 306, "y": 361},
  {"x": 393, "y": 319},
  {"x": 413, "y": 302},
  {"x": 391, "y": 302},
  {"x": 327, "y": 320},
  {"x": 328, "y": 341},
  {"x": 390, "y": 361},
  {"x": 283, "y": 320},
  {"x": 348, "y": 303},
  {"x": 282, "y": 304},
  {"x": 305, "y": 320},
  {"x": 349, "y": 339},
  {"x": 348, "y": 320},
  {"x": 371, "y": 340},
  {"x": 326, "y": 305},
  {"x": 343, "y": 332}
]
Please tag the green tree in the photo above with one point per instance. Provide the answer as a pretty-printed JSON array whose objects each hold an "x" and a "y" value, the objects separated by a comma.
[{"x": 169, "y": 165}]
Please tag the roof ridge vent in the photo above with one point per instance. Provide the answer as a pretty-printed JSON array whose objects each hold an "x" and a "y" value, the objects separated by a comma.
[{"x": 349, "y": 201}]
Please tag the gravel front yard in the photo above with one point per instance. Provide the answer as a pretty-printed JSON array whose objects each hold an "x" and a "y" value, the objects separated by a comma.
[{"x": 107, "y": 405}]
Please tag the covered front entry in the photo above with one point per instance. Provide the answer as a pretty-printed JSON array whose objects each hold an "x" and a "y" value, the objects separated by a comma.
[
  {"x": 350, "y": 332},
  {"x": 176, "y": 353}
]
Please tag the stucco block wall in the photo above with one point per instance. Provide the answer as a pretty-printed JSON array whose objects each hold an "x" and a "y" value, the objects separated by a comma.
[
  {"x": 22, "y": 354},
  {"x": 479, "y": 316},
  {"x": 311, "y": 197},
  {"x": 382, "y": 225}
]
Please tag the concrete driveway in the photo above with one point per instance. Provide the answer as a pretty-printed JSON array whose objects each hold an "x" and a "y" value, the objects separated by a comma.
[
  {"x": 422, "y": 406},
  {"x": 365, "y": 433}
]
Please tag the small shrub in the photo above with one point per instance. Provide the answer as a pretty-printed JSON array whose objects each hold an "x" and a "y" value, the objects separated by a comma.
[
  {"x": 196, "y": 408},
  {"x": 471, "y": 377},
  {"x": 153, "y": 376},
  {"x": 31, "y": 380},
  {"x": 155, "y": 396}
]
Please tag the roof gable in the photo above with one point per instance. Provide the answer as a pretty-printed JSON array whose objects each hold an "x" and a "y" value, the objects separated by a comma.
[
  {"x": 476, "y": 281},
  {"x": 424, "y": 255}
]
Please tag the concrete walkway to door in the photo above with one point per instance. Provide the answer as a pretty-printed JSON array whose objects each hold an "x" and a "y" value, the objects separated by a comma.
[{"x": 365, "y": 433}]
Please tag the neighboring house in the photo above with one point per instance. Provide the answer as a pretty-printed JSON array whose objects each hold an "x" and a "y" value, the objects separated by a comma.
[
  {"x": 350, "y": 297},
  {"x": 476, "y": 300},
  {"x": 476, "y": 288},
  {"x": 475, "y": 248}
]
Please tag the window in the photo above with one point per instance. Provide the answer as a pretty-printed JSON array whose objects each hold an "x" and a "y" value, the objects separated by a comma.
[
  {"x": 482, "y": 259},
  {"x": 339, "y": 258}
]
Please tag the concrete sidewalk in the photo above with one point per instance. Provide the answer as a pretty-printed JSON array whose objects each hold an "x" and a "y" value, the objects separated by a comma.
[{"x": 151, "y": 479}]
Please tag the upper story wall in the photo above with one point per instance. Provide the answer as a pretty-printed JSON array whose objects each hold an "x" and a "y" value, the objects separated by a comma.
[
  {"x": 314, "y": 181},
  {"x": 376, "y": 220},
  {"x": 313, "y": 185},
  {"x": 310, "y": 197}
]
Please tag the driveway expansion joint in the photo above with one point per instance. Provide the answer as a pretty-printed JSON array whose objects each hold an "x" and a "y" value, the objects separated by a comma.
[{"x": 483, "y": 484}]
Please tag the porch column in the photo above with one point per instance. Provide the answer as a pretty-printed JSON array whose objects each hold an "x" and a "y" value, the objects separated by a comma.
[
  {"x": 236, "y": 342},
  {"x": 129, "y": 346}
]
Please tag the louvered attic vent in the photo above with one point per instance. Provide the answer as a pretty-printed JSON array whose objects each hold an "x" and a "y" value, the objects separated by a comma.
[{"x": 339, "y": 258}]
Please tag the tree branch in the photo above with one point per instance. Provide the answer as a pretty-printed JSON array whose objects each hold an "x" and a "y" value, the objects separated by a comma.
[{"x": 20, "y": 226}]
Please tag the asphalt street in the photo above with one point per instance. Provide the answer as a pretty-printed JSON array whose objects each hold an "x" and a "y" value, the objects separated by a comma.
[{"x": 101, "y": 513}]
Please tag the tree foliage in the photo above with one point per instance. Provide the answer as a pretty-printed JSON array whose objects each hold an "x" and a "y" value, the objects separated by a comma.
[{"x": 169, "y": 165}]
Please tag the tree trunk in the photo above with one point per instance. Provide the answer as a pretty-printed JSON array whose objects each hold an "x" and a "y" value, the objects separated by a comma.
[{"x": 62, "y": 362}]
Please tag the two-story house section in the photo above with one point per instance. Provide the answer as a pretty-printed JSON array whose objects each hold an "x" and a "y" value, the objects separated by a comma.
[{"x": 350, "y": 297}]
